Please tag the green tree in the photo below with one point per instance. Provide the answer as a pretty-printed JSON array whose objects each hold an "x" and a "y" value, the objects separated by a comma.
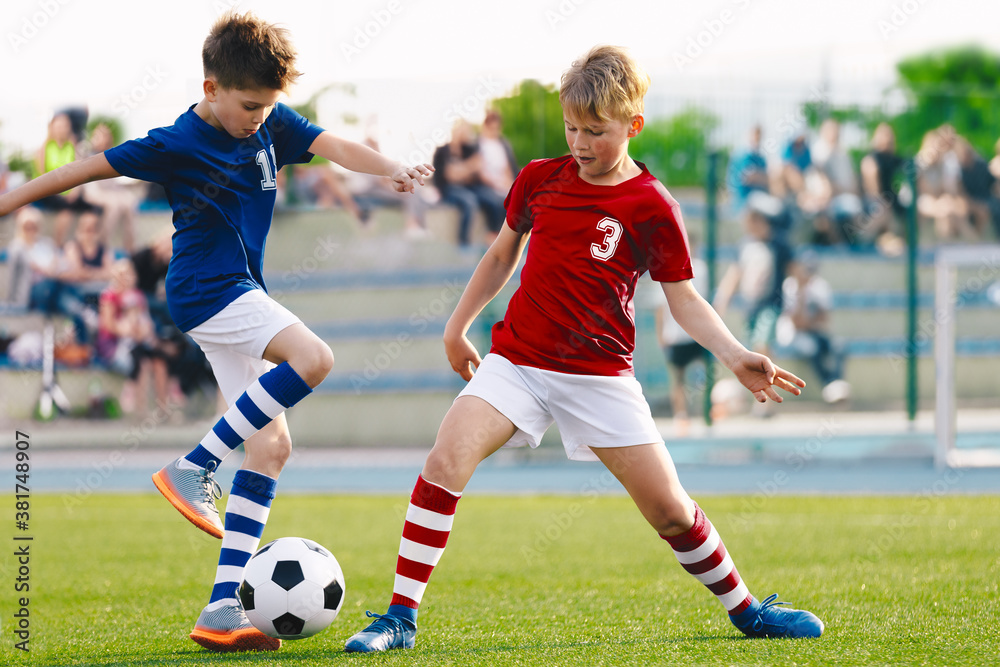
[
  {"x": 532, "y": 121},
  {"x": 675, "y": 149},
  {"x": 957, "y": 86},
  {"x": 113, "y": 124}
]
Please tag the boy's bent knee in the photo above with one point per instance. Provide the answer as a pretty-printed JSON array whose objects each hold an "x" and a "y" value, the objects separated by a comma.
[
  {"x": 313, "y": 363},
  {"x": 449, "y": 468},
  {"x": 323, "y": 362}
]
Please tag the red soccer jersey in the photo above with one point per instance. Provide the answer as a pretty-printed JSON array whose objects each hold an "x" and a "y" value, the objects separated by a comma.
[{"x": 573, "y": 312}]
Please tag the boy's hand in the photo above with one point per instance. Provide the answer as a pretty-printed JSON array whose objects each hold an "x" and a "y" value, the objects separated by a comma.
[
  {"x": 462, "y": 356},
  {"x": 403, "y": 177},
  {"x": 759, "y": 374}
]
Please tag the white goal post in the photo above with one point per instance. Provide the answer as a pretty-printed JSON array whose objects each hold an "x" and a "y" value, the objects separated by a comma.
[{"x": 946, "y": 263}]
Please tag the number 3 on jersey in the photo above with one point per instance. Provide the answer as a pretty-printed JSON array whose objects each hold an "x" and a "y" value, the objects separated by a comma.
[
  {"x": 612, "y": 235},
  {"x": 269, "y": 182}
]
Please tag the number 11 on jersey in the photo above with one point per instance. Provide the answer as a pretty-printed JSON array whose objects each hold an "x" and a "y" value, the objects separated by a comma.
[{"x": 270, "y": 180}]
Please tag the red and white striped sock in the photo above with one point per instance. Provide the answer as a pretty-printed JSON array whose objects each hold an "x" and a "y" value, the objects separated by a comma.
[
  {"x": 425, "y": 534},
  {"x": 701, "y": 552}
]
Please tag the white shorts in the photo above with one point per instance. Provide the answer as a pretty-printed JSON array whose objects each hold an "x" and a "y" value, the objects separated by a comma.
[
  {"x": 234, "y": 340},
  {"x": 589, "y": 410}
]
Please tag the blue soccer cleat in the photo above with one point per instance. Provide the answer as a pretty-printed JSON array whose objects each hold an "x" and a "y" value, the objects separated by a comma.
[
  {"x": 385, "y": 632},
  {"x": 767, "y": 619}
]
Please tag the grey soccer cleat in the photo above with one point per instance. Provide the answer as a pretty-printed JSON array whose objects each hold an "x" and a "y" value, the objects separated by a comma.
[
  {"x": 227, "y": 629},
  {"x": 193, "y": 493}
]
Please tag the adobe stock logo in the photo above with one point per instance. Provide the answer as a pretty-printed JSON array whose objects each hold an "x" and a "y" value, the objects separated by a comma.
[
  {"x": 363, "y": 35},
  {"x": 711, "y": 31},
  {"x": 130, "y": 100},
  {"x": 33, "y": 23}
]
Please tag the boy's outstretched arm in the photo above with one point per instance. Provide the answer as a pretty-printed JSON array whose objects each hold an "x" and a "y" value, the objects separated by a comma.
[
  {"x": 494, "y": 270},
  {"x": 755, "y": 371},
  {"x": 358, "y": 157},
  {"x": 93, "y": 168}
]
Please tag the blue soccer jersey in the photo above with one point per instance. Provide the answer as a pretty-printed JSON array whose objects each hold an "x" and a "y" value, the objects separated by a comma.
[{"x": 222, "y": 193}]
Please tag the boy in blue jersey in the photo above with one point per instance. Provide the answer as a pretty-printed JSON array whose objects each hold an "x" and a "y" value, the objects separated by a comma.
[{"x": 218, "y": 164}]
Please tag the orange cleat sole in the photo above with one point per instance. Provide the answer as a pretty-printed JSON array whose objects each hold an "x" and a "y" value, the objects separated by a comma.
[
  {"x": 164, "y": 487},
  {"x": 237, "y": 640}
]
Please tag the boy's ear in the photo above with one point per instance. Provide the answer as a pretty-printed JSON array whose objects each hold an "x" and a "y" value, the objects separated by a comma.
[
  {"x": 211, "y": 89},
  {"x": 635, "y": 127}
]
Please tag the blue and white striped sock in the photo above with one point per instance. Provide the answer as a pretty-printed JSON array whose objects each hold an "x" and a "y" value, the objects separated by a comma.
[
  {"x": 246, "y": 514},
  {"x": 271, "y": 394}
]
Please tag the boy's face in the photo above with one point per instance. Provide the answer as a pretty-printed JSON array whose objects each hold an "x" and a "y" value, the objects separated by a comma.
[
  {"x": 600, "y": 148},
  {"x": 238, "y": 112}
]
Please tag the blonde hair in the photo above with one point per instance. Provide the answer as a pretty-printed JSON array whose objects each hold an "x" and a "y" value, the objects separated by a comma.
[
  {"x": 243, "y": 53},
  {"x": 606, "y": 84}
]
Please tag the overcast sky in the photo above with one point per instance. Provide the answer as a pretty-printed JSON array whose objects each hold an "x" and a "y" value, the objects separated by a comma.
[{"x": 413, "y": 60}]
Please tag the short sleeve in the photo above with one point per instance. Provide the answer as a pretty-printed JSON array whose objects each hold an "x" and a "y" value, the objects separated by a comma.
[
  {"x": 293, "y": 134},
  {"x": 516, "y": 203},
  {"x": 668, "y": 255},
  {"x": 146, "y": 159}
]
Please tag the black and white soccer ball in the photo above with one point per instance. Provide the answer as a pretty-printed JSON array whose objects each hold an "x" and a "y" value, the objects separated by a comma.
[{"x": 292, "y": 588}]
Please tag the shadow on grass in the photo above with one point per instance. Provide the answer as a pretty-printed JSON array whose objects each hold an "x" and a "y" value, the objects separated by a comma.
[
  {"x": 308, "y": 657},
  {"x": 574, "y": 645}
]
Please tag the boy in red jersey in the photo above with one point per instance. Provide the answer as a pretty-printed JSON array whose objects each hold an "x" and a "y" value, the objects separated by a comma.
[{"x": 563, "y": 352}]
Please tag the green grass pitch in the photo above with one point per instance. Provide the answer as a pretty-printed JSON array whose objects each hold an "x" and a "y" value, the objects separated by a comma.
[{"x": 533, "y": 580}]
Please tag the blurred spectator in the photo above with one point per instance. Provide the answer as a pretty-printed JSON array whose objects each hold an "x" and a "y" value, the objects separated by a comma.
[
  {"x": 36, "y": 266},
  {"x": 126, "y": 343},
  {"x": 995, "y": 167},
  {"x": 150, "y": 265},
  {"x": 118, "y": 197},
  {"x": 939, "y": 184},
  {"x": 499, "y": 163},
  {"x": 881, "y": 171},
  {"x": 458, "y": 177},
  {"x": 31, "y": 257},
  {"x": 795, "y": 161},
  {"x": 747, "y": 172},
  {"x": 369, "y": 192},
  {"x": 88, "y": 260},
  {"x": 831, "y": 189},
  {"x": 978, "y": 185},
  {"x": 680, "y": 349},
  {"x": 803, "y": 328},
  {"x": 759, "y": 272},
  {"x": 77, "y": 121},
  {"x": 317, "y": 184},
  {"x": 59, "y": 150},
  {"x": 757, "y": 277},
  {"x": 186, "y": 362},
  {"x": 4, "y": 176}
]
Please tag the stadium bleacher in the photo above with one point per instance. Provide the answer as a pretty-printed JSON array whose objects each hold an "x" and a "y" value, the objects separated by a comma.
[{"x": 381, "y": 301}]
